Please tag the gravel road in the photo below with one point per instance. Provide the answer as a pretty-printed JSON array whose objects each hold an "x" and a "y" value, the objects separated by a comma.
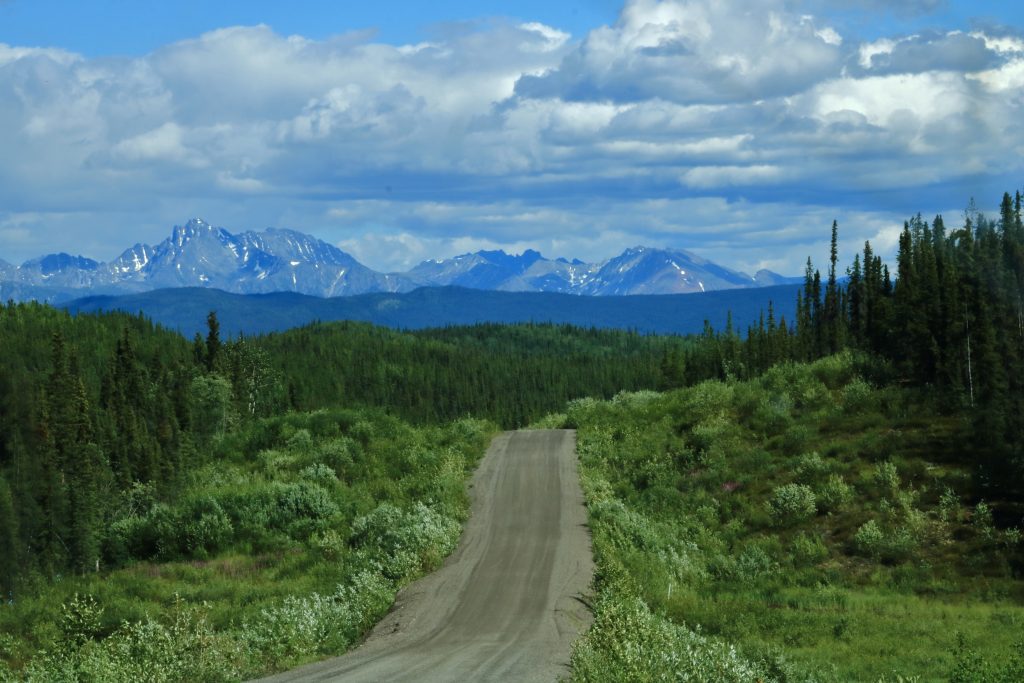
[{"x": 507, "y": 604}]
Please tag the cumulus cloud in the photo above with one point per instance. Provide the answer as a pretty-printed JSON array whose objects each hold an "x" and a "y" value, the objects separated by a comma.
[
  {"x": 736, "y": 128},
  {"x": 954, "y": 51},
  {"x": 694, "y": 51}
]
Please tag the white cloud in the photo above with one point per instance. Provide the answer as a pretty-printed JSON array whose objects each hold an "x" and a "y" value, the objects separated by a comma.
[
  {"x": 695, "y": 51},
  {"x": 1006, "y": 45},
  {"x": 12, "y": 53},
  {"x": 882, "y": 46},
  {"x": 729, "y": 176},
  {"x": 553, "y": 38},
  {"x": 163, "y": 144},
  {"x": 882, "y": 100},
  {"x": 830, "y": 36},
  {"x": 1009, "y": 78},
  {"x": 722, "y": 126}
]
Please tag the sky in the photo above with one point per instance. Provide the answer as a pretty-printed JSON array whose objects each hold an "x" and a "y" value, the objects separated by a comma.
[{"x": 402, "y": 131}]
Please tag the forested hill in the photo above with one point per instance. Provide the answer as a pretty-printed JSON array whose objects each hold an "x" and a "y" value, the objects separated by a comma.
[
  {"x": 949, "y": 320},
  {"x": 512, "y": 374},
  {"x": 185, "y": 309},
  {"x": 92, "y": 405}
]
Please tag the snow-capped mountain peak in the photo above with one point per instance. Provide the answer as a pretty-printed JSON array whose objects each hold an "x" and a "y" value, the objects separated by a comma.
[{"x": 197, "y": 254}]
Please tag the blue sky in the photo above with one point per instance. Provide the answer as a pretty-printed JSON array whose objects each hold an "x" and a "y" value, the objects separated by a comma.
[
  {"x": 135, "y": 27},
  {"x": 409, "y": 130}
]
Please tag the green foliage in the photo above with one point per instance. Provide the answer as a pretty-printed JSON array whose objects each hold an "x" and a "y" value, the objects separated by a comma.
[
  {"x": 404, "y": 542},
  {"x": 80, "y": 620},
  {"x": 808, "y": 549},
  {"x": 971, "y": 667},
  {"x": 792, "y": 504},
  {"x": 810, "y": 467},
  {"x": 210, "y": 402},
  {"x": 835, "y": 494},
  {"x": 869, "y": 539},
  {"x": 277, "y": 559},
  {"x": 887, "y": 478},
  {"x": 629, "y": 643},
  {"x": 512, "y": 374},
  {"x": 981, "y": 520},
  {"x": 726, "y": 535}
]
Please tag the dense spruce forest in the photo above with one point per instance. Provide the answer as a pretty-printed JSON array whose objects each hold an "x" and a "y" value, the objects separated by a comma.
[
  {"x": 509, "y": 374},
  {"x": 257, "y": 475},
  {"x": 949, "y": 321}
]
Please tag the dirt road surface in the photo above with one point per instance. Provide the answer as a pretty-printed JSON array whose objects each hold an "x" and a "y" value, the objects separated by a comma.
[{"x": 507, "y": 604}]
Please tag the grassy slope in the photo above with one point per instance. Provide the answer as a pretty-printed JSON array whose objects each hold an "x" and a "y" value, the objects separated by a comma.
[
  {"x": 285, "y": 550},
  {"x": 706, "y": 540}
]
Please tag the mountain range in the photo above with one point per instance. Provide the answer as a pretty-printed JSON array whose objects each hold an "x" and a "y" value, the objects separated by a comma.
[{"x": 198, "y": 254}]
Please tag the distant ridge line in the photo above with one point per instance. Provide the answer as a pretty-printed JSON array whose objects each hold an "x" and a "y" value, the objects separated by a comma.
[{"x": 185, "y": 309}]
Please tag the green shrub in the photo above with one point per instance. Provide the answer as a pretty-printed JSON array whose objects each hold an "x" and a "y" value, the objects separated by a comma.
[
  {"x": 971, "y": 667},
  {"x": 859, "y": 397},
  {"x": 807, "y": 550},
  {"x": 792, "y": 503},
  {"x": 318, "y": 623},
  {"x": 949, "y": 507},
  {"x": 319, "y": 473},
  {"x": 887, "y": 478},
  {"x": 835, "y": 371},
  {"x": 773, "y": 415},
  {"x": 181, "y": 648},
  {"x": 707, "y": 401},
  {"x": 795, "y": 439},
  {"x": 405, "y": 541},
  {"x": 981, "y": 520},
  {"x": 869, "y": 539},
  {"x": 629, "y": 643},
  {"x": 301, "y": 441},
  {"x": 810, "y": 466},
  {"x": 295, "y": 509},
  {"x": 337, "y": 454},
  {"x": 205, "y": 527},
  {"x": 80, "y": 619},
  {"x": 901, "y": 544},
  {"x": 754, "y": 563},
  {"x": 834, "y": 494}
]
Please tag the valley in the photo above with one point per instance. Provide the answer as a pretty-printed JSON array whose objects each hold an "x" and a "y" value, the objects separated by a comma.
[
  {"x": 831, "y": 495},
  {"x": 594, "y": 342}
]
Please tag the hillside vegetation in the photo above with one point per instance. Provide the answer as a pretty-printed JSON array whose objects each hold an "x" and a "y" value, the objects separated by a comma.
[
  {"x": 509, "y": 374},
  {"x": 801, "y": 526},
  {"x": 167, "y": 514},
  {"x": 844, "y": 501},
  {"x": 287, "y": 545}
]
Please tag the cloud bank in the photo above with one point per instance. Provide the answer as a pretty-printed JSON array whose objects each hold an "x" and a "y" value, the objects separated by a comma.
[{"x": 735, "y": 128}]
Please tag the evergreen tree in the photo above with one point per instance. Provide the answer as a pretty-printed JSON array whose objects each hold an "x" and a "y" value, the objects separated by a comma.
[
  {"x": 212, "y": 341},
  {"x": 832, "y": 323},
  {"x": 9, "y": 547}
]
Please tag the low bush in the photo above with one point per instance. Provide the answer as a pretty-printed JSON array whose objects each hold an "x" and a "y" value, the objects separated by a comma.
[
  {"x": 792, "y": 504},
  {"x": 834, "y": 494},
  {"x": 629, "y": 643}
]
